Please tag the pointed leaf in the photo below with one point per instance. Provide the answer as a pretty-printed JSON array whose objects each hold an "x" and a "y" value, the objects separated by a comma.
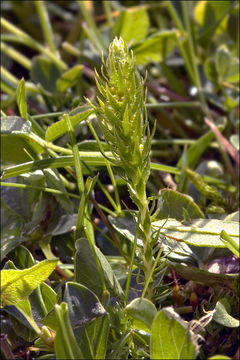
[{"x": 21, "y": 99}]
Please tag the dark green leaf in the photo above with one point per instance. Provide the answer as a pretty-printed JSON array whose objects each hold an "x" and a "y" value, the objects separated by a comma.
[
  {"x": 87, "y": 270},
  {"x": 83, "y": 304},
  {"x": 18, "y": 144},
  {"x": 45, "y": 72},
  {"x": 174, "y": 204}
]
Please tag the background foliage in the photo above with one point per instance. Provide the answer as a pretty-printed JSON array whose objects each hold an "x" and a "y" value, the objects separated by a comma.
[{"x": 72, "y": 268}]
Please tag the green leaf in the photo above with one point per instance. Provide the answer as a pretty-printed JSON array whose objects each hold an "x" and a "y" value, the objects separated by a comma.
[
  {"x": 45, "y": 72},
  {"x": 18, "y": 284},
  {"x": 202, "y": 232},
  {"x": 83, "y": 304},
  {"x": 171, "y": 338},
  {"x": 69, "y": 78},
  {"x": 219, "y": 357},
  {"x": 101, "y": 331},
  {"x": 196, "y": 150},
  {"x": 21, "y": 99},
  {"x": 221, "y": 315},
  {"x": 59, "y": 128},
  {"x": 174, "y": 204},
  {"x": 65, "y": 344},
  {"x": 17, "y": 140},
  {"x": 87, "y": 270},
  {"x": 142, "y": 312},
  {"x": 11, "y": 231},
  {"x": 132, "y": 25},
  {"x": 155, "y": 48},
  {"x": 205, "y": 277}
]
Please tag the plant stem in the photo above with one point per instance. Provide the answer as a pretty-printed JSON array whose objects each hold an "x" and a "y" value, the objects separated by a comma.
[
  {"x": 46, "y": 25},
  {"x": 29, "y": 41},
  {"x": 16, "y": 56}
]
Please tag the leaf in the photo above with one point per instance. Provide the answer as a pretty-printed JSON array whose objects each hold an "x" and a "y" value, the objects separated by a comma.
[
  {"x": 205, "y": 277},
  {"x": 156, "y": 47},
  {"x": 18, "y": 284},
  {"x": 65, "y": 344},
  {"x": 59, "y": 128},
  {"x": 196, "y": 150},
  {"x": 45, "y": 72},
  {"x": 11, "y": 229},
  {"x": 83, "y": 304},
  {"x": 142, "y": 312},
  {"x": 171, "y": 338},
  {"x": 87, "y": 270},
  {"x": 202, "y": 232},
  {"x": 21, "y": 99},
  {"x": 219, "y": 357},
  {"x": 101, "y": 331},
  {"x": 221, "y": 315},
  {"x": 132, "y": 25},
  {"x": 69, "y": 78},
  {"x": 174, "y": 204},
  {"x": 17, "y": 141}
]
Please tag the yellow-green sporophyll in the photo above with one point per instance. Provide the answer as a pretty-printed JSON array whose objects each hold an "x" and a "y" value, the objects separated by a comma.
[{"x": 121, "y": 115}]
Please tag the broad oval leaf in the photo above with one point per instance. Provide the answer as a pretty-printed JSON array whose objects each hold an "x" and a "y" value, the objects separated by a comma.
[
  {"x": 87, "y": 270},
  {"x": 155, "y": 48},
  {"x": 171, "y": 338},
  {"x": 142, "y": 311},
  {"x": 221, "y": 315},
  {"x": 18, "y": 143},
  {"x": 132, "y": 25},
  {"x": 83, "y": 304},
  {"x": 173, "y": 204},
  {"x": 18, "y": 284}
]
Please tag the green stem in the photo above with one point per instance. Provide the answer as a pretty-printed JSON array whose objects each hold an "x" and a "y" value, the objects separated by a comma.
[
  {"x": 29, "y": 41},
  {"x": 16, "y": 56},
  {"x": 91, "y": 23},
  {"x": 46, "y": 25},
  {"x": 174, "y": 104},
  {"x": 193, "y": 57}
]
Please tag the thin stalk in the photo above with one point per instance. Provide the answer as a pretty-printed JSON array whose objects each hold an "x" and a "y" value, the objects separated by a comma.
[
  {"x": 91, "y": 23},
  {"x": 184, "y": 5},
  {"x": 181, "y": 29},
  {"x": 13, "y": 81},
  {"x": 72, "y": 50},
  {"x": 174, "y": 104},
  {"x": 107, "y": 10},
  {"x": 16, "y": 55},
  {"x": 130, "y": 269},
  {"x": 76, "y": 156},
  {"x": 46, "y": 25},
  {"x": 46, "y": 189},
  {"x": 49, "y": 115},
  {"x": 29, "y": 41}
]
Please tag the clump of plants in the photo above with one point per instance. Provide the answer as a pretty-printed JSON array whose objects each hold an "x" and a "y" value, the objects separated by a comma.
[{"x": 120, "y": 226}]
